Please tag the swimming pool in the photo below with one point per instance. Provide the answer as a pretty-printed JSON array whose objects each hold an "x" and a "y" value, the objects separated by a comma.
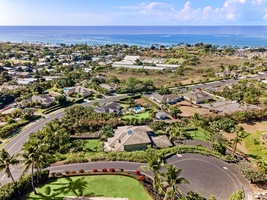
[{"x": 137, "y": 109}]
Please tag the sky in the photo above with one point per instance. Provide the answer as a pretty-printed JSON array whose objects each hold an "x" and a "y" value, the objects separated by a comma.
[{"x": 133, "y": 12}]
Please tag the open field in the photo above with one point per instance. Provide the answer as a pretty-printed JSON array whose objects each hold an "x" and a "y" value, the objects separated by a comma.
[
  {"x": 254, "y": 126},
  {"x": 97, "y": 185}
]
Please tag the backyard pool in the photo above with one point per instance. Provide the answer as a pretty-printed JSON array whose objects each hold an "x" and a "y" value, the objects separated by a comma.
[{"x": 137, "y": 109}]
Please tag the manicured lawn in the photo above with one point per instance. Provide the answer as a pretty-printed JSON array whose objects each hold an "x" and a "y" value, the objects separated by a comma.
[
  {"x": 197, "y": 135},
  {"x": 138, "y": 116},
  {"x": 98, "y": 185},
  {"x": 92, "y": 144}
]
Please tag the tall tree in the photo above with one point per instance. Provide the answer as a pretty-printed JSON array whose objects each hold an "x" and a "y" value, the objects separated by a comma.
[
  {"x": 238, "y": 130},
  {"x": 172, "y": 180},
  {"x": 33, "y": 157},
  {"x": 155, "y": 163},
  {"x": 5, "y": 161}
]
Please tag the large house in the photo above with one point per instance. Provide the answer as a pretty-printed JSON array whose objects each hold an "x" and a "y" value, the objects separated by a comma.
[
  {"x": 129, "y": 138},
  {"x": 167, "y": 98},
  {"x": 111, "y": 107},
  {"x": 197, "y": 96},
  {"x": 132, "y": 138},
  {"x": 79, "y": 90},
  {"x": 45, "y": 100},
  {"x": 110, "y": 87}
]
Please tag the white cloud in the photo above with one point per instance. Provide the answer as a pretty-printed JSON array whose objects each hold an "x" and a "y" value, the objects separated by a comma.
[{"x": 230, "y": 11}]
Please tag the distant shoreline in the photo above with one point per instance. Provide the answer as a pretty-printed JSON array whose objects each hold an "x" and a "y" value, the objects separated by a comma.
[{"x": 145, "y": 36}]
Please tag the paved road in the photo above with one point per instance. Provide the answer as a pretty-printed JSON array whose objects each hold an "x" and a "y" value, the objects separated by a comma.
[
  {"x": 17, "y": 142},
  {"x": 207, "y": 175}
]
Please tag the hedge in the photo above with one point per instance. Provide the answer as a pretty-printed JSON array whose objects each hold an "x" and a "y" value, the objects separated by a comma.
[
  {"x": 150, "y": 102},
  {"x": 8, "y": 191}
]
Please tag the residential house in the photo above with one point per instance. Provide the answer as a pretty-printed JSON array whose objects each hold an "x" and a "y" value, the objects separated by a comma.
[
  {"x": 110, "y": 87},
  {"x": 45, "y": 100},
  {"x": 111, "y": 107},
  {"x": 161, "y": 115},
  {"x": 129, "y": 138},
  {"x": 197, "y": 96},
  {"x": 167, "y": 98},
  {"x": 79, "y": 90}
]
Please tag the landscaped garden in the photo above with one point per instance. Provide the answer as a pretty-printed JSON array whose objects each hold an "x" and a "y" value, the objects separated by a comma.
[
  {"x": 144, "y": 115},
  {"x": 197, "y": 135},
  {"x": 97, "y": 185},
  {"x": 92, "y": 144}
]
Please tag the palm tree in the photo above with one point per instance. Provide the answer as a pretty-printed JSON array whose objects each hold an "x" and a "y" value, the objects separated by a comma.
[
  {"x": 172, "y": 179},
  {"x": 155, "y": 163},
  {"x": 238, "y": 130},
  {"x": 33, "y": 157},
  {"x": 5, "y": 161}
]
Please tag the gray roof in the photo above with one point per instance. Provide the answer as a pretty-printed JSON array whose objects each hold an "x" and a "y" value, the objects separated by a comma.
[
  {"x": 162, "y": 141},
  {"x": 167, "y": 97},
  {"x": 198, "y": 96},
  {"x": 129, "y": 135}
]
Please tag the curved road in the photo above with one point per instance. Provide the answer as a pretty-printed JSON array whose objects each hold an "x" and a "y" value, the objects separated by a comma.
[{"x": 207, "y": 175}]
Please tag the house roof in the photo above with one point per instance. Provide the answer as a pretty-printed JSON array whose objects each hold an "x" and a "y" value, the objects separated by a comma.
[
  {"x": 161, "y": 141},
  {"x": 166, "y": 97},
  {"x": 198, "y": 95},
  {"x": 129, "y": 135}
]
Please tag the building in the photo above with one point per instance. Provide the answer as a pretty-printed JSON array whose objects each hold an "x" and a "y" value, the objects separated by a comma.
[
  {"x": 45, "y": 100},
  {"x": 167, "y": 98},
  {"x": 79, "y": 90},
  {"x": 111, "y": 107},
  {"x": 197, "y": 96},
  {"x": 110, "y": 87},
  {"x": 161, "y": 115},
  {"x": 130, "y": 138}
]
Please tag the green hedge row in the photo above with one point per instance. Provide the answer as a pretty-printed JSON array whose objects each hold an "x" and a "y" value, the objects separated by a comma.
[
  {"x": 8, "y": 191},
  {"x": 150, "y": 102}
]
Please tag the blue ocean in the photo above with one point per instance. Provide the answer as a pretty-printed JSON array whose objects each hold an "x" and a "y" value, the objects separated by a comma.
[{"x": 251, "y": 36}]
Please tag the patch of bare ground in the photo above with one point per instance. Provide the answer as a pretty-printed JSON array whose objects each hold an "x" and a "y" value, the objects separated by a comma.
[
  {"x": 240, "y": 147},
  {"x": 142, "y": 102},
  {"x": 190, "y": 109},
  {"x": 254, "y": 126}
]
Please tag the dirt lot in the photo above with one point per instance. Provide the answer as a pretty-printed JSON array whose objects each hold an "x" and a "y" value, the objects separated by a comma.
[
  {"x": 255, "y": 126},
  {"x": 188, "y": 111},
  {"x": 240, "y": 147}
]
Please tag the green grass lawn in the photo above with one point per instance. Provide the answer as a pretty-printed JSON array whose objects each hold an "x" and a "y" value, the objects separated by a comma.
[
  {"x": 138, "y": 116},
  {"x": 92, "y": 144},
  {"x": 197, "y": 135},
  {"x": 98, "y": 185}
]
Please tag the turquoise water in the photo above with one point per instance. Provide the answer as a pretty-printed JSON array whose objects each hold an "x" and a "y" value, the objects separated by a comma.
[
  {"x": 138, "y": 109},
  {"x": 138, "y": 35}
]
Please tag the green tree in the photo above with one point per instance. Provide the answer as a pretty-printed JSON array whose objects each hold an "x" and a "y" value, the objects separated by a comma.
[
  {"x": 155, "y": 163},
  {"x": 238, "y": 130},
  {"x": 236, "y": 196},
  {"x": 5, "y": 162},
  {"x": 172, "y": 180},
  {"x": 175, "y": 112},
  {"x": 32, "y": 157}
]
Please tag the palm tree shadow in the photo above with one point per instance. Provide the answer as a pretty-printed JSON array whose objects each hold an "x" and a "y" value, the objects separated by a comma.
[{"x": 71, "y": 186}]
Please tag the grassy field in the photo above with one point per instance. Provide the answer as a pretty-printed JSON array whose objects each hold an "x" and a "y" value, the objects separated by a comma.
[
  {"x": 92, "y": 144},
  {"x": 138, "y": 116},
  {"x": 175, "y": 60},
  {"x": 197, "y": 135},
  {"x": 98, "y": 185}
]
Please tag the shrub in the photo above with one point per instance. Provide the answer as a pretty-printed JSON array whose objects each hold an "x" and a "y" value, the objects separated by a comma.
[
  {"x": 58, "y": 174},
  {"x": 81, "y": 171},
  {"x": 94, "y": 170},
  {"x": 73, "y": 172},
  {"x": 53, "y": 174},
  {"x": 104, "y": 170},
  {"x": 111, "y": 170},
  {"x": 121, "y": 169},
  {"x": 141, "y": 178},
  {"x": 67, "y": 172},
  {"x": 137, "y": 172}
]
